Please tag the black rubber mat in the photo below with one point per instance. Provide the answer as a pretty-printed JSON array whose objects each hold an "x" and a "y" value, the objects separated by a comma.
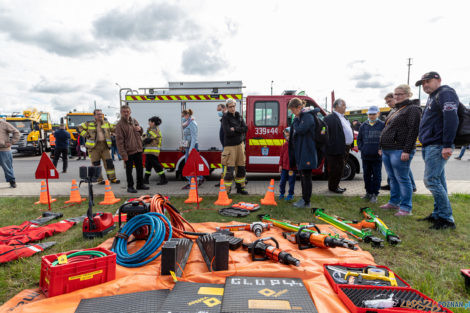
[
  {"x": 137, "y": 302},
  {"x": 266, "y": 295},
  {"x": 194, "y": 298}
]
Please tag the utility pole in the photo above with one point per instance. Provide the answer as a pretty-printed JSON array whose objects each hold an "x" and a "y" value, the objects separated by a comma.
[
  {"x": 95, "y": 104},
  {"x": 272, "y": 87},
  {"x": 409, "y": 66},
  {"x": 326, "y": 103}
]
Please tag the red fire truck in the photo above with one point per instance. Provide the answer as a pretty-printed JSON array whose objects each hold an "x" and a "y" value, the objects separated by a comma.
[{"x": 266, "y": 118}]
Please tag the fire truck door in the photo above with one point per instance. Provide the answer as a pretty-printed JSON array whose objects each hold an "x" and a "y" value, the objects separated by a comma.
[{"x": 264, "y": 138}]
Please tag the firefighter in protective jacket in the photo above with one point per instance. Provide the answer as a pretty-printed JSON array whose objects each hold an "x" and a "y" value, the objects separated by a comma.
[
  {"x": 233, "y": 156},
  {"x": 152, "y": 143},
  {"x": 98, "y": 141}
]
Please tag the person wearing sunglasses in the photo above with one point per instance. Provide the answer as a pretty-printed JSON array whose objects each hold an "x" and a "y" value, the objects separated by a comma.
[{"x": 398, "y": 144}]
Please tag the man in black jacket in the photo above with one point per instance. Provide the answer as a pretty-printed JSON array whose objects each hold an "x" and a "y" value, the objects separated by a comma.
[
  {"x": 234, "y": 147},
  {"x": 340, "y": 140},
  {"x": 62, "y": 138}
]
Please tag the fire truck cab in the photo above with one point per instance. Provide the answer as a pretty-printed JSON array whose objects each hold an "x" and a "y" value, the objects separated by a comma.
[{"x": 266, "y": 118}]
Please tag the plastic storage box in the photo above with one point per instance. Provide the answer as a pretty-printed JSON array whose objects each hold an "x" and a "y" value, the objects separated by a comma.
[{"x": 64, "y": 278}]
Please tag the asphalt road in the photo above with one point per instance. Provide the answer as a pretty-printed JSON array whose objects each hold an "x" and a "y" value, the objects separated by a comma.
[{"x": 25, "y": 167}]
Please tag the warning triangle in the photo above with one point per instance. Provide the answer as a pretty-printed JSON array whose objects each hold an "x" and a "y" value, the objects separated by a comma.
[
  {"x": 45, "y": 169},
  {"x": 195, "y": 165}
]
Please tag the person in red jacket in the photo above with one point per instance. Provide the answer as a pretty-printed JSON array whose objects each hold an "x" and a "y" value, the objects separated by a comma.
[{"x": 286, "y": 172}]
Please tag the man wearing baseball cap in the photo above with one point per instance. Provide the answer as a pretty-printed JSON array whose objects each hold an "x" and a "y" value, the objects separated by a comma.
[{"x": 437, "y": 132}]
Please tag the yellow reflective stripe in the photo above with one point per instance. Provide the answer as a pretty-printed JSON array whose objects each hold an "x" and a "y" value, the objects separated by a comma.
[
  {"x": 193, "y": 97},
  {"x": 355, "y": 143},
  {"x": 184, "y": 97},
  {"x": 83, "y": 133},
  {"x": 148, "y": 172},
  {"x": 89, "y": 143},
  {"x": 83, "y": 125},
  {"x": 239, "y": 180},
  {"x": 173, "y": 98},
  {"x": 152, "y": 133},
  {"x": 161, "y": 173},
  {"x": 266, "y": 142},
  {"x": 91, "y": 127},
  {"x": 213, "y": 165},
  {"x": 151, "y": 150},
  {"x": 106, "y": 126}
]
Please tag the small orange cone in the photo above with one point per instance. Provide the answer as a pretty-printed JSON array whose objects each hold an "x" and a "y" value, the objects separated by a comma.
[
  {"x": 43, "y": 195},
  {"x": 75, "y": 194},
  {"x": 269, "y": 196},
  {"x": 109, "y": 195},
  {"x": 193, "y": 198},
  {"x": 223, "y": 197}
]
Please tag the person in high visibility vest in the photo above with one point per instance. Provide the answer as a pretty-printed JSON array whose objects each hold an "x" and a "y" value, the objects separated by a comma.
[
  {"x": 52, "y": 143},
  {"x": 98, "y": 142},
  {"x": 152, "y": 143}
]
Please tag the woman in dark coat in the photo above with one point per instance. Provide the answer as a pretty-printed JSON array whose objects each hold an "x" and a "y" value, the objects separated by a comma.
[{"x": 302, "y": 148}]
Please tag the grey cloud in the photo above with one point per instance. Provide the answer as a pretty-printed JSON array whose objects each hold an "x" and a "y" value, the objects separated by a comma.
[
  {"x": 353, "y": 63},
  {"x": 69, "y": 103},
  {"x": 203, "y": 58},
  {"x": 232, "y": 27},
  {"x": 435, "y": 19},
  {"x": 56, "y": 87},
  {"x": 65, "y": 44},
  {"x": 362, "y": 76},
  {"x": 158, "y": 21},
  {"x": 372, "y": 84},
  {"x": 60, "y": 104},
  {"x": 106, "y": 90}
]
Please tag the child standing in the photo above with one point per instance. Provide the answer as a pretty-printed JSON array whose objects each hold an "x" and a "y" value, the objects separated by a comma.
[
  {"x": 286, "y": 172},
  {"x": 368, "y": 141}
]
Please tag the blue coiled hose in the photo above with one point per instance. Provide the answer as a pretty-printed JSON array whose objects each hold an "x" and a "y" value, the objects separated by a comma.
[{"x": 157, "y": 233}]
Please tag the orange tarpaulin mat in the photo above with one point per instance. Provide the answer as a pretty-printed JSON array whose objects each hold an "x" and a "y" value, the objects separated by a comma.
[{"x": 148, "y": 277}]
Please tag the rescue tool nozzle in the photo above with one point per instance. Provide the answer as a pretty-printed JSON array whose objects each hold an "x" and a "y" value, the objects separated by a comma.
[{"x": 393, "y": 240}]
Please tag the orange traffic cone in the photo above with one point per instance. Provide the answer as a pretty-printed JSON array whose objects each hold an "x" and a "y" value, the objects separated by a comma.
[
  {"x": 109, "y": 195},
  {"x": 193, "y": 198},
  {"x": 75, "y": 194},
  {"x": 269, "y": 196},
  {"x": 223, "y": 197},
  {"x": 43, "y": 195}
]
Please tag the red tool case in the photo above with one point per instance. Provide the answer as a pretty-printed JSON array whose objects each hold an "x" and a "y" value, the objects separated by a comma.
[
  {"x": 412, "y": 301},
  {"x": 64, "y": 278},
  {"x": 400, "y": 281}
]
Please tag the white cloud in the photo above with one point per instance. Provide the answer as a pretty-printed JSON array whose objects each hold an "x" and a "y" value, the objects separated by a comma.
[{"x": 68, "y": 54}]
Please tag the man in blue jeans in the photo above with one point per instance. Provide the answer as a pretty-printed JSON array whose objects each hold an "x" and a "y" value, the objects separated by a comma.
[
  {"x": 6, "y": 158},
  {"x": 437, "y": 132}
]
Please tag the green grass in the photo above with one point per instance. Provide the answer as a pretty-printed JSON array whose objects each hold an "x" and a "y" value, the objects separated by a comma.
[{"x": 428, "y": 260}]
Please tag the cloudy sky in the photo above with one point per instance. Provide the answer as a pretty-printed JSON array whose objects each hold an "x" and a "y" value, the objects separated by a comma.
[{"x": 62, "y": 55}]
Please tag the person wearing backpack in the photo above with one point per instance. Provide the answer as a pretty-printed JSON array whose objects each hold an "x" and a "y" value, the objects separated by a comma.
[
  {"x": 437, "y": 132},
  {"x": 368, "y": 141}
]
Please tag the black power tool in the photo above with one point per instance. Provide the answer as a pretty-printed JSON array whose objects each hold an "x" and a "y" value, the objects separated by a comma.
[{"x": 95, "y": 224}]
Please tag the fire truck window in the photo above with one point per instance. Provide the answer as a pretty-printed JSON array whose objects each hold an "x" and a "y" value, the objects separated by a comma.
[{"x": 266, "y": 113}]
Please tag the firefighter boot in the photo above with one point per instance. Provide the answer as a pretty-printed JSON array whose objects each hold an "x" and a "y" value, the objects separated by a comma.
[
  {"x": 146, "y": 179},
  {"x": 241, "y": 190},
  {"x": 163, "y": 180}
]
